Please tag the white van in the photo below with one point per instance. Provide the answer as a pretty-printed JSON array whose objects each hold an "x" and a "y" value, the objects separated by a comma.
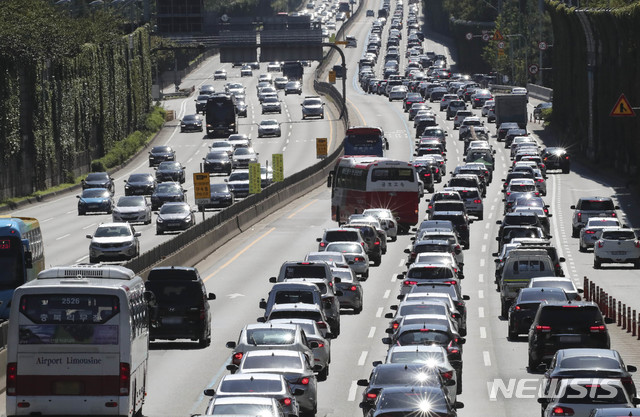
[{"x": 519, "y": 268}]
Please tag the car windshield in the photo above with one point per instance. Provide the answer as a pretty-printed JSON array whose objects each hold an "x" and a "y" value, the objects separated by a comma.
[
  {"x": 93, "y": 193},
  {"x": 431, "y": 248},
  {"x": 112, "y": 231},
  {"x": 239, "y": 176},
  {"x": 244, "y": 151},
  {"x": 565, "y": 285},
  {"x": 167, "y": 187},
  {"x": 423, "y": 308},
  {"x": 219, "y": 188},
  {"x": 589, "y": 362},
  {"x": 567, "y": 316},
  {"x": 412, "y": 400},
  {"x": 618, "y": 235},
  {"x": 594, "y": 394},
  {"x": 269, "y": 100},
  {"x": 203, "y": 97},
  {"x": 131, "y": 201},
  {"x": 97, "y": 176},
  {"x": 272, "y": 362},
  {"x": 539, "y": 296},
  {"x": 217, "y": 156},
  {"x": 169, "y": 166},
  {"x": 190, "y": 118},
  {"x": 243, "y": 410},
  {"x": 312, "y": 102},
  {"x": 416, "y": 356},
  {"x": 422, "y": 337},
  {"x": 221, "y": 144},
  {"x": 270, "y": 336},
  {"x": 161, "y": 149},
  {"x": 269, "y": 123},
  {"x": 392, "y": 375},
  {"x": 174, "y": 209},
  {"x": 140, "y": 178},
  {"x": 305, "y": 271},
  {"x": 251, "y": 385}
]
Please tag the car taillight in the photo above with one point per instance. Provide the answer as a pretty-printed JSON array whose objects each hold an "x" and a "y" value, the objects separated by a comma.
[
  {"x": 562, "y": 411},
  {"x": 546, "y": 210},
  {"x": 125, "y": 378},
  {"x": 476, "y": 201},
  {"x": 579, "y": 216},
  {"x": 395, "y": 325},
  {"x": 537, "y": 194},
  {"x": 543, "y": 329},
  {"x": 452, "y": 348},
  {"x": 430, "y": 206},
  {"x": 597, "y": 329},
  {"x": 353, "y": 288},
  {"x": 508, "y": 192},
  {"x": 377, "y": 242},
  {"x": 320, "y": 345},
  {"x": 637, "y": 244},
  {"x": 627, "y": 380},
  {"x": 517, "y": 308},
  {"x": 613, "y": 214},
  {"x": 12, "y": 378},
  {"x": 372, "y": 395},
  {"x": 540, "y": 180},
  {"x": 362, "y": 243},
  {"x": 447, "y": 375},
  {"x": 407, "y": 282},
  {"x": 589, "y": 232},
  {"x": 304, "y": 381},
  {"x": 322, "y": 244},
  {"x": 237, "y": 357},
  {"x": 285, "y": 401},
  {"x": 600, "y": 243},
  {"x": 450, "y": 282},
  {"x": 436, "y": 171},
  {"x": 358, "y": 259},
  {"x": 321, "y": 324}
]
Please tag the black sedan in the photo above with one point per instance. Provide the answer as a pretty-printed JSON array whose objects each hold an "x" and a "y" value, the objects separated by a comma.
[
  {"x": 175, "y": 216},
  {"x": 410, "y": 401},
  {"x": 221, "y": 197},
  {"x": 201, "y": 103},
  {"x": 99, "y": 180},
  {"x": 217, "y": 162},
  {"x": 399, "y": 374},
  {"x": 524, "y": 308},
  {"x": 161, "y": 153},
  {"x": 556, "y": 158},
  {"x": 167, "y": 192},
  {"x": 191, "y": 122},
  {"x": 140, "y": 184},
  {"x": 170, "y": 171}
]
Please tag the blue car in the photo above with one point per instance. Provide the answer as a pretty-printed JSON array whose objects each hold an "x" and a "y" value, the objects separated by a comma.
[{"x": 95, "y": 200}]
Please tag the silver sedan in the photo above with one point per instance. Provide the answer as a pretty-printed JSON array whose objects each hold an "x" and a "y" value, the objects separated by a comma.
[
  {"x": 351, "y": 289},
  {"x": 354, "y": 254}
]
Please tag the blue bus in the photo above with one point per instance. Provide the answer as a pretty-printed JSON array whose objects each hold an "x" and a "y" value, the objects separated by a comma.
[
  {"x": 365, "y": 140},
  {"x": 21, "y": 256}
]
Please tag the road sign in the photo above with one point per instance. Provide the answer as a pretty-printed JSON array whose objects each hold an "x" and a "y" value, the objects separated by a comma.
[
  {"x": 542, "y": 45},
  {"x": 486, "y": 37},
  {"x": 332, "y": 77},
  {"x": 622, "y": 107},
  {"x": 501, "y": 44},
  {"x": 277, "y": 162},
  {"x": 533, "y": 69},
  {"x": 321, "y": 148},
  {"x": 500, "y": 52},
  {"x": 255, "y": 186},
  {"x": 469, "y": 36},
  {"x": 201, "y": 187},
  {"x": 497, "y": 36}
]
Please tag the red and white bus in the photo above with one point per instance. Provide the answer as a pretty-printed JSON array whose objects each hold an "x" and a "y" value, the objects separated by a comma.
[
  {"x": 78, "y": 343},
  {"x": 364, "y": 182}
]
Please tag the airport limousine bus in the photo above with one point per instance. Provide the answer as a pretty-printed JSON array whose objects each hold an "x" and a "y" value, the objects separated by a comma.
[
  {"x": 364, "y": 182},
  {"x": 78, "y": 343},
  {"x": 21, "y": 256}
]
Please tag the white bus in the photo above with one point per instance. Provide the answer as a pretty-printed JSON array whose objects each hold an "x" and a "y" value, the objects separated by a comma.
[{"x": 78, "y": 343}]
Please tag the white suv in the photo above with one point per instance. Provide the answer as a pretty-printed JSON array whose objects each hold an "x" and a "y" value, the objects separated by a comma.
[
  {"x": 114, "y": 242},
  {"x": 617, "y": 245}
]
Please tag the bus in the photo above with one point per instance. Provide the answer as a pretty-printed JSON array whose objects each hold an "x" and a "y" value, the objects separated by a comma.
[
  {"x": 221, "y": 116},
  {"x": 21, "y": 256},
  {"x": 293, "y": 70},
  {"x": 365, "y": 140},
  {"x": 363, "y": 182},
  {"x": 78, "y": 343}
]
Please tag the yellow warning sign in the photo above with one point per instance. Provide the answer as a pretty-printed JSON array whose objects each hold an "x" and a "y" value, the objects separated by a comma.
[
  {"x": 497, "y": 36},
  {"x": 255, "y": 175},
  {"x": 321, "y": 148},
  {"x": 201, "y": 187},
  {"x": 278, "y": 167},
  {"x": 622, "y": 107},
  {"x": 500, "y": 52}
]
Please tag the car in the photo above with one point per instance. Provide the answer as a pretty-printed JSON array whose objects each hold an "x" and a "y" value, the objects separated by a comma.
[
  {"x": 312, "y": 106},
  {"x": 246, "y": 71},
  {"x": 280, "y": 82},
  {"x": 524, "y": 307},
  {"x": 370, "y": 13},
  {"x": 191, "y": 122},
  {"x": 207, "y": 89},
  {"x": 537, "y": 111},
  {"x": 170, "y": 171},
  {"x": 520, "y": 91},
  {"x": 266, "y": 176},
  {"x": 591, "y": 232},
  {"x": 234, "y": 88},
  {"x": 453, "y": 108},
  {"x": 132, "y": 209},
  {"x": 174, "y": 216},
  {"x": 587, "y": 207},
  {"x": 594, "y": 363},
  {"x": 220, "y": 197},
  {"x": 220, "y": 74},
  {"x": 241, "y": 107},
  {"x": 472, "y": 200},
  {"x": 398, "y": 92},
  {"x": 269, "y": 127},
  {"x": 410, "y": 99},
  {"x": 504, "y": 128},
  {"x": 274, "y": 67},
  {"x": 487, "y": 106},
  {"x": 140, "y": 184},
  {"x": 446, "y": 100},
  {"x": 410, "y": 400},
  {"x": 240, "y": 406},
  {"x": 217, "y": 162},
  {"x": 239, "y": 140},
  {"x": 265, "y": 92},
  {"x": 562, "y": 325},
  {"x": 93, "y": 200},
  {"x": 578, "y": 397},
  {"x": 388, "y": 375},
  {"x": 161, "y": 153},
  {"x": 355, "y": 255},
  {"x": 201, "y": 103},
  {"x": 617, "y": 245},
  {"x": 296, "y": 368},
  {"x": 222, "y": 146},
  {"x": 556, "y": 158},
  {"x": 293, "y": 87},
  {"x": 167, "y": 192},
  {"x": 419, "y": 273},
  {"x": 242, "y": 157},
  {"x": 99, "y": 180},
  {"x": 238, "y": 183},
  {"x": 460, "y": 221},
  {"x": 271, "y": 105},
  {"x": 114, "y": 242},
  {"x": 261, "y": 384},
  {"x": 351, "y": 290},
  {"x": 387, "y": 220},
  {"x": 460, "y": 116},
  {"x": 479, "y": 97},
  {"x": 178, "y": 293},
  {"x": 427, "y": 355}
]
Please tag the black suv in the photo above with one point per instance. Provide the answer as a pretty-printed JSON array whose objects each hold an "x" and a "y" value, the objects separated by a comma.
[
  {"x": 524, "y": 308},
  {"x": 563, "y": 325},
  {"x": 181, "y": 308},
  {"x": 460, "y": 221},
  {"x": 556, "y": 158},
  {"x": 369, "y": 234}
]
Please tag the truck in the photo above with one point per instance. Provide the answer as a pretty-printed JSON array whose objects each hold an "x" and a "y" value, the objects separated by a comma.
[
  {"x": 511, "y": 108},
  {"x": 293, "y": 70},
  {"x": 221, "y": 118}
]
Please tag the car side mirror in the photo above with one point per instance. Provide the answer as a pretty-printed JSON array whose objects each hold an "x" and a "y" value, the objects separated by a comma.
[
  {"x": 363, "y": 382},
  {"x": 407, "y": 250},
  {"x": 273, "y": 280},
  {"x": 262, "y": 304},
  {"x": 617, "y": 207},
  {"x": 386, "y": 340},
  {"x": 209, "y": 392},
  {"x": 389, "y": 331},
  {"x": 319, "y": 239},
  {"x": 393, "y": 307},
  {"x": 211, "y": 296},
  {"x": 466, "y": 297},
  {"x": 388, "y": 316},
  {"x": 573, "y": 207},
  {"x": 261, "y": 320},
  {"x": 543, "y": 401},
  {"x": 400, "y": 276},
  {"x": 137, "y": 234},
  {"x": 458, "y": 405},
  {"x": 232, "y": 367},
  {"x": 561, "y": 259},
  {"x": 314, "y": 345},
  {"x": 631, "y": 368},
  {"x": 317, "y": 368},
  {"x": 231, "y": 344},
  {"x": 635, "y": 401}
]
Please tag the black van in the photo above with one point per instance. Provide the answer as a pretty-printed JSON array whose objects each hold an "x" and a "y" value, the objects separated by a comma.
[{"x": 181, "y": 304}]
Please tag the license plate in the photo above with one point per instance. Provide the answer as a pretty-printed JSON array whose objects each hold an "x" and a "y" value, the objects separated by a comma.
[
  {"x": 67, "y": 388},
  {"x": 171, "y": 320},
  {"x": 619, "y": 252},
  {"x": 569, "y": 339}
]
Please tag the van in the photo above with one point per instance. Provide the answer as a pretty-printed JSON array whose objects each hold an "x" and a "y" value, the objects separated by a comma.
[
  {"x": 519, "y": 268},
  {"x": 182, "y": 309},
  {"x": 352, "y": 42}
]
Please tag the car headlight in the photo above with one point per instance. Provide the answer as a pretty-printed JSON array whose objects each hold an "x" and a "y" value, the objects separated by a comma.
[
  {"x": 160, "y": 219},
  {"x": 187, "y": 219}
]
